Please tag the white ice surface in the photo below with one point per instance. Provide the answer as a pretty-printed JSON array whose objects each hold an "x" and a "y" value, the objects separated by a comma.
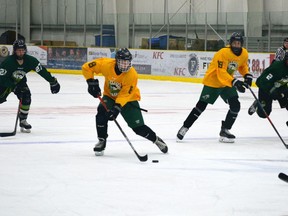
[{"x": 53, "y": 171}]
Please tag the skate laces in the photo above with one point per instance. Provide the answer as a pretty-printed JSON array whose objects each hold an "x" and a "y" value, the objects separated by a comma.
[
  {"x": 160, "y": 143},
  {"x": 183, "y": 130},
  {"x": 226, "y": 131},
  {"x": 25, "y": 124},
  {"x": 100, "y": 143}
]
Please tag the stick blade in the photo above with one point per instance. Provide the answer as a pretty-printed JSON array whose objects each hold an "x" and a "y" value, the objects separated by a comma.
[
  {"x": 283, "y": 177},
  {"x": 7, "y": 134},
  {"x": 143, "y": 158}
]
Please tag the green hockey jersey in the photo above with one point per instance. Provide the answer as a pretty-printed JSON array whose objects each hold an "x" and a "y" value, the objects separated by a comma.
[{"x": 11, "y": 72}]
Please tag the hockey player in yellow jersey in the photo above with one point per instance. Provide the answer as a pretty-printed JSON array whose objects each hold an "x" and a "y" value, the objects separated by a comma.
[
  {"x": 121, "y": 95},
  {"x": 219, "y": 81}
]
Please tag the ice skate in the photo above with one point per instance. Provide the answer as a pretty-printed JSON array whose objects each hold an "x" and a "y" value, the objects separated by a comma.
[
  {"x": 181, "y": 133},
  {"x": 161, "y": 145},
  {"x": 100, "y": 147},
  {"x": 25, "y": 127},
  {"x": 226, "y": 136},
  {"x": 253, "y": 108}
]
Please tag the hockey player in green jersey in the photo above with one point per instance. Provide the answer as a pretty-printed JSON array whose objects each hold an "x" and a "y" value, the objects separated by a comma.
[
  {"x": 13, "y": 72},
  {"x": 273, "y": 85}
]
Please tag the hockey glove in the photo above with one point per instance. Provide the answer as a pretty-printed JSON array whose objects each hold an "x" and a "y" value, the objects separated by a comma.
[
  {"x": 280, "y": 89},
  {"x": 20, "y": 91},
  {"x": 54, "y": 86},
  {"x": 248, "y": 78},
  {"x": 276, "y": 95},
  {"x": 93, "y": 87},
  {"x": 113, "y": 113},
  {"x": 239, "y": 85},
  {"x": 283, "y": 102}
]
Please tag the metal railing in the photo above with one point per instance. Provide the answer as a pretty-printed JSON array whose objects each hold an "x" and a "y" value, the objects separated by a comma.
[{"x": 179, "y": 31}]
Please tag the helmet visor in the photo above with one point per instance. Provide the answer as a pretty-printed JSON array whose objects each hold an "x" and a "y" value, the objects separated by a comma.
[{"x": 123, "y": 65}]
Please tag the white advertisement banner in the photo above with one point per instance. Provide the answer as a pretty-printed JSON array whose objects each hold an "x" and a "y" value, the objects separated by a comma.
[
  {"x": 39, "y": 52},
  {"x": 187, "y": 63},
  {"x": 94, "y": 53},
  {"x": 258, "y": 62}
]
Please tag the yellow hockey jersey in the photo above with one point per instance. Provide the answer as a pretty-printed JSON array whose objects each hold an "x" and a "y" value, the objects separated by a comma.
[
  {"x": 224, "y": 64},
  {"x": 121, "y": 88}
]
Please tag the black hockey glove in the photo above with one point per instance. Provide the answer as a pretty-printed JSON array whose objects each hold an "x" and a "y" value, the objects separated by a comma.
[
  {"x": 239, "y": 85},
  {"x": 54, "y": 86},
  {"x": 248, "y": 78},
  {"x": 283, "y": 102},
  {"x": 20, "y": 90},
  {"x": 280, "y": 89},
  {"x": 93, "y": 87},
  {"x": 113, "y": 113},
  {"x": 276, "y": 95}
]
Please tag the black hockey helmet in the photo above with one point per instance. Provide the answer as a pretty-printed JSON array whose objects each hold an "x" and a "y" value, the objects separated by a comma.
[
  {"x": 19, "y": 44},
  {"x": 124, "y": 54},
  {"x": 236, "y": 37},
  {"x": 123, "y": 59}
]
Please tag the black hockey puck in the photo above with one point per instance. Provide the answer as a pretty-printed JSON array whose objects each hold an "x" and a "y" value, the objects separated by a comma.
[
  {"x": 287, "y": 123},
  {"x": 155, "y": 161}
]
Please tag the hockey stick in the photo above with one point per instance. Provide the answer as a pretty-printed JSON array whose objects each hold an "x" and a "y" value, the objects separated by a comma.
[
  {"x": 144, "y": 110},
  {"x": 283, "y": 177},
  {"x": 266, "y": 115},
  {"x": 141, "y": 158},
  {"x": 13, "y": 133}
]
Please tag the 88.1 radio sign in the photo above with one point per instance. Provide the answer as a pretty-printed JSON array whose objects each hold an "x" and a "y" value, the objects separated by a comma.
[{"x": 258, "y": 62}]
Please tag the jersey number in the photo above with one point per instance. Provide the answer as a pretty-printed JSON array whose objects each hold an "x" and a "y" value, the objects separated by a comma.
[
  {"x": 269, "y": 76},
  {"x": 38, "y": 68},
  {"x": 91, "y": 64}
]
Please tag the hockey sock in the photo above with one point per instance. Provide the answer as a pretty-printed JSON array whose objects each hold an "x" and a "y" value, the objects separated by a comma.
[
  {"x": 232, "y": 113},
  {"x": 24, "y": 111},
  {"x": 195, "y": 113},
  {"x": 230, "y": 119},
  {"x": 145, "y": 132},
  {"x": 101, "y": 125}
]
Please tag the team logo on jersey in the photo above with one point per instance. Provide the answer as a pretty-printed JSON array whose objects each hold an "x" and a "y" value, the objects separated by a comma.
[
  {"x": 2, "y": 72},
  {"x": 193, "y": 64},
  {"x": 206, "y": 97},
  {"x": 114, "y": 87},
  {"x": 232, "y": 67},
  {"x": 18, "y": 75}
]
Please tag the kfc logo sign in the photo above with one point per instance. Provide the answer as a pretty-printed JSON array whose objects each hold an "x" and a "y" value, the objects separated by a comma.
[{"x": 158, "y": 55}]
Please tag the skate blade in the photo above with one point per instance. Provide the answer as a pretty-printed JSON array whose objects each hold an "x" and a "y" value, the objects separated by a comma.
[
  {"x": 226, "y": 140},
  {"x": 97, "y": 153},
  {"x": 251, "y": 112},
  {"x": 23, "y": 130}
]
